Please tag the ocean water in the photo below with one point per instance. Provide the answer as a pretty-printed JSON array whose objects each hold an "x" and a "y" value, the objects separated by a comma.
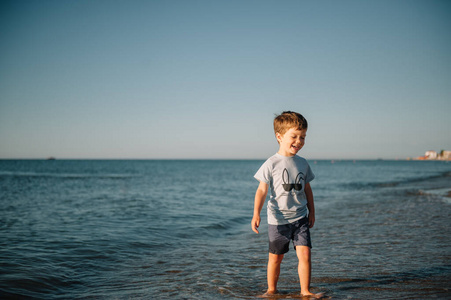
[{"x": 149, "y": 229}]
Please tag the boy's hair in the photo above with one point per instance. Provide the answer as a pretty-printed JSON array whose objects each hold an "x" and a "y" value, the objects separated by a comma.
[{"x": 287, "y": 120}]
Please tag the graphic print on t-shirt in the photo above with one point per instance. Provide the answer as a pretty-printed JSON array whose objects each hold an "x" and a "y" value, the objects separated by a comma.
[{"x": 297, "y": 185}]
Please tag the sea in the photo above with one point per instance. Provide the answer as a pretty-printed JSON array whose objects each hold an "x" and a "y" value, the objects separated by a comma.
[{"x": 181, "y": 229}]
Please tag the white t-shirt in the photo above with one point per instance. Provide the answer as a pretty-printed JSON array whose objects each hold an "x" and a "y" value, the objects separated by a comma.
[{"x": 286, "y": 177}]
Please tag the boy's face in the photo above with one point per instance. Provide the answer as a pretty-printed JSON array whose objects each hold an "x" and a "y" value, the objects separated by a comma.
[{"x": 291, "y": 142}]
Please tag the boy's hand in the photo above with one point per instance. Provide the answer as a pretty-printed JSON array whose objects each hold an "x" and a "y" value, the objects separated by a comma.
[
  {"x": 255, "y": 223},
  {"x": 311, "y": 220}
]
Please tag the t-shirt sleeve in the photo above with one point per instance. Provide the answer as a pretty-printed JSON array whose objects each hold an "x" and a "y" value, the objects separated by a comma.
[
  {"x": 310, "y": 176},
  {"x": 264, "y": 173}
]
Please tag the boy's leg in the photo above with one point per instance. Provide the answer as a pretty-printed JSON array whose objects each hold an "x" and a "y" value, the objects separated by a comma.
[
  {"x": 279, "y": 242},
  {"x": 304, "y": 268},
  {"x": 274, "y": 262}
]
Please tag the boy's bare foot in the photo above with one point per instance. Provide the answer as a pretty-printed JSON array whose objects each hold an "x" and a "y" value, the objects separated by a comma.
[
  {"x": 309, "y": 295},
  {"x": 270, "y": 293}
]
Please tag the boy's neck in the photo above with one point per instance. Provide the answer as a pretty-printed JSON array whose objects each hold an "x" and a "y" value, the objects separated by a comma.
[{"x": 282, "y": 153}]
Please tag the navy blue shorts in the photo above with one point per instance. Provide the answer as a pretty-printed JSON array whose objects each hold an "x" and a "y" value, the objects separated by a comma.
[{"x": 281, "y": 235}]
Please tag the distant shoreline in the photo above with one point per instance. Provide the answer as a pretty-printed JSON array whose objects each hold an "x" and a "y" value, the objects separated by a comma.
[{"x": 333, "y": 160}]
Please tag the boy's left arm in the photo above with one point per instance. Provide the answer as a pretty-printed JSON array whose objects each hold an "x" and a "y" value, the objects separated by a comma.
[{"x": 310, "y": 205}]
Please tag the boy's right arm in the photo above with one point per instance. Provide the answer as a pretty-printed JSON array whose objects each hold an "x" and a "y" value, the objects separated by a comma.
[{"x": 260, "y": 196}]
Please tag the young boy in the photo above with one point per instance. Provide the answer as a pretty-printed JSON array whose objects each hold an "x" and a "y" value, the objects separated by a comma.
[{"x": 290, "y": 210}]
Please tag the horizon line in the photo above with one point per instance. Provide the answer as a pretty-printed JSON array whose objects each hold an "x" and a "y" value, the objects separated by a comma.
[{"x": 309, "y": 159}]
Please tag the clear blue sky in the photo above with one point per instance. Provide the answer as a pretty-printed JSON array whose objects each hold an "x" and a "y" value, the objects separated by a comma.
[{"x": 203, "y": 79}]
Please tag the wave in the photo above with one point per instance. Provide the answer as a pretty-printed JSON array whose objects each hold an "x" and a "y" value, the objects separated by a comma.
[
  {"x": 395, "y": 183},
  {"x": 216, "y": 229},
  {"x": 227, "y": 224},
  {"x": 443, "y": 194}
]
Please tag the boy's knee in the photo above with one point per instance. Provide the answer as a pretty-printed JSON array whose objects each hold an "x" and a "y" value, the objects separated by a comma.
[
  {"x": 303, "y": 252},
  {"x": 275, "y": 258}
]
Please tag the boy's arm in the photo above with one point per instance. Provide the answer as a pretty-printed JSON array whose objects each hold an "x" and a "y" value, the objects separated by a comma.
[
  {"x": 260, "y": 196},
  {"x": 310, "y": 205}
]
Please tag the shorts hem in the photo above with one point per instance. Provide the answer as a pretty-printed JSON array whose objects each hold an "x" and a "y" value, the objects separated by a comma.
[
  {"x": 310, "y": 246},
  {"x": 275, "y": 252}
]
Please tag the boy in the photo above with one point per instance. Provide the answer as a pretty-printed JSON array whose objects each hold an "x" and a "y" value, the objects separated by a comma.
[{"x": 287, "y": 176}]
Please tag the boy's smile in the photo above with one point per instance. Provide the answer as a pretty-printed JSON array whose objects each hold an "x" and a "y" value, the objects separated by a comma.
[{"x": 291, "y": 141}]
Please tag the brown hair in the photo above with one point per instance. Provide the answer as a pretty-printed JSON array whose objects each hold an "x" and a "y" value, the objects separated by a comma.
[{"x": 287, "y": 120}]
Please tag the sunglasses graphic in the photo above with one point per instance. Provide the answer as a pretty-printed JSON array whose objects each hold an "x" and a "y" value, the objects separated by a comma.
[{"x": 289, "y": 186}]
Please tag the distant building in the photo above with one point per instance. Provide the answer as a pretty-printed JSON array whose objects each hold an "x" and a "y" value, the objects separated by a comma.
[
  {"x": 445, "y": 155},
  {"x": 431, "y": 154}
]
